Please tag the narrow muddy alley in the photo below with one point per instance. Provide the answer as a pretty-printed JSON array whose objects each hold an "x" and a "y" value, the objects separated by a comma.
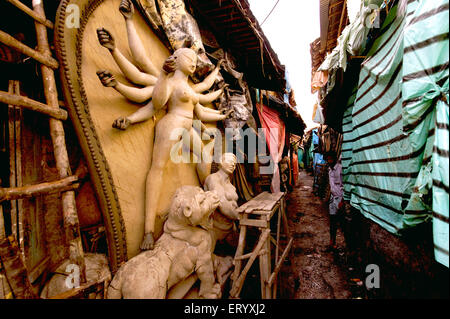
[{"x": 314, "y": 271}]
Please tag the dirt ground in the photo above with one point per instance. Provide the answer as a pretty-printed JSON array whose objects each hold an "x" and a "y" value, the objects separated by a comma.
[{"x": 313, "y": 271}]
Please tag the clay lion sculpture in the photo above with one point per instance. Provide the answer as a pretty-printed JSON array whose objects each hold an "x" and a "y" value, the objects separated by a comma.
[{"x": 184, "y": 248}]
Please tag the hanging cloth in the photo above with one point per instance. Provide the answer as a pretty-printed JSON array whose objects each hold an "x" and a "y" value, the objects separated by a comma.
[{"x": 275, "y": 132}]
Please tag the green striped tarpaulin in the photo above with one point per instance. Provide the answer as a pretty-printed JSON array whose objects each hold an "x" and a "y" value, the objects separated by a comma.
[{"x": 395, "y": 152}]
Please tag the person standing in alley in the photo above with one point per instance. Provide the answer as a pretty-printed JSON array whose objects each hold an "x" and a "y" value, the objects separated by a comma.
[{"x": 336, "y": 202}]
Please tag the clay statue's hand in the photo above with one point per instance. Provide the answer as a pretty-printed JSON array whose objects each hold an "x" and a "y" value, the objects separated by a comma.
[
  {"x": 106, "y": 39},
  {"x": 148, "y": 243},
  {"x": 229, "y": 113},
  {"x": 122, "y": 123},
  {"x": 107, "y": 78},
  {"x": 126, "y": 8}
]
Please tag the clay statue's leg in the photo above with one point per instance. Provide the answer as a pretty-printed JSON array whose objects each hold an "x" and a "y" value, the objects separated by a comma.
[{"x": 154, "y": 183}]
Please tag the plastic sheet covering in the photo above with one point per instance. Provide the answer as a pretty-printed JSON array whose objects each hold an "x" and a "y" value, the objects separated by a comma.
[
  {"x": 395, "y": 147},
  {"x": 275, "y": 132},
  {"x": 350, "y": 41},
  {"x": 425, "y": 109}
]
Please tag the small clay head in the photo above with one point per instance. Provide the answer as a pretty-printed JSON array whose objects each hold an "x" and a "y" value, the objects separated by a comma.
[{"x": 228, "y": 163}]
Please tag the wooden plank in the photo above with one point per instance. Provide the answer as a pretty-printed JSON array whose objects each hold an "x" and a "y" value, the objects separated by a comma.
[
  {"x": 8, "y": 40},
  {"x": 253, "y": 223},
  {"x": 31, "y": 13},
  {"x": 17, "y": 100}
]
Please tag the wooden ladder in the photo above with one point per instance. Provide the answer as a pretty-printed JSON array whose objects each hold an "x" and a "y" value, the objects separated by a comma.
[{"x": 67, "y": 182}]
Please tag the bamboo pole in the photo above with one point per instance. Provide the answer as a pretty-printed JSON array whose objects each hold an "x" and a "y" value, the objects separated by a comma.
[
  {"x": 247, "y": 256},
  {"x": 342, "y": 18},
  {"x": 71, "y": 222},
  {"x": 31, "y": 13},
  {"x": 13, "y": 193},
  {"x": 14, "y": 123},
  {"x": 10, "y": 41},
  {"x": 280, "y": 263},
  {"x": 17, "y": 100},
  {"x": 2, "y": 227}
]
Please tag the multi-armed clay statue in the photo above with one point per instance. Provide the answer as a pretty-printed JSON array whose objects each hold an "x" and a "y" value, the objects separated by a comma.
[
  {"x": 184, "y": 248},
  {"x": 170, "y": 90},
  {"x": 220, "y": 184}
]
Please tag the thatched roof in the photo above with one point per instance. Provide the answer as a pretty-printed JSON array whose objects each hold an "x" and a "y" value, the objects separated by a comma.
[
  {"x": 237, "y": 29},
  {"x": 333, "y": 19}
]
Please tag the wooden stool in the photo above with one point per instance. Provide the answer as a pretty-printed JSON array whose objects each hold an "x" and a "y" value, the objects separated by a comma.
[{"x": 258, "y": 212}]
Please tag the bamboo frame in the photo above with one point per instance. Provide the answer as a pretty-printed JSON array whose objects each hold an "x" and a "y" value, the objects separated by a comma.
[
  {"x": 22, "y": 101},
  {"x": 10, "y": 41},
  {"x": 71, "y": 223},
  {"x": 31, "y": 13}
]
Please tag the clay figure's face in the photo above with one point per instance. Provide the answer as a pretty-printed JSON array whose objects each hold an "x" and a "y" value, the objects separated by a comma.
[
  {"x": 203, "y": 205},
  {"x": 228, "y": 164},
  {"x": 187, "y": 61}
]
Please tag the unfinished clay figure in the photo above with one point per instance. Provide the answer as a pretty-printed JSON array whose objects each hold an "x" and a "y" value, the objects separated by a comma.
[
  {"x": 184, "y": 248},
  {"x": 220, "y": 184},
  {"x": 172, "y": 91}
]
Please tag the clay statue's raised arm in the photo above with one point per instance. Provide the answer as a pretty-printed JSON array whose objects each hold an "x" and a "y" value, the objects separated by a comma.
[
  {"x": 128, "y": 69},
  {"x": 138, "y": 95},
  {"x": 134, "y": 42},
  {"x": 206, "y": 115},
  {"x": 208, "y": 81}
]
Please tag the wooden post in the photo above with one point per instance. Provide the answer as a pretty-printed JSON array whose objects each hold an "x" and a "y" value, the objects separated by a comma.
[
  {"x": 15, "y": 158},
  {"x": 239, "y": 252},
  {"x": 2, "y": 226},
  {"x": 277, "y": 248},
  {"x": 71, "y": 223}
]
